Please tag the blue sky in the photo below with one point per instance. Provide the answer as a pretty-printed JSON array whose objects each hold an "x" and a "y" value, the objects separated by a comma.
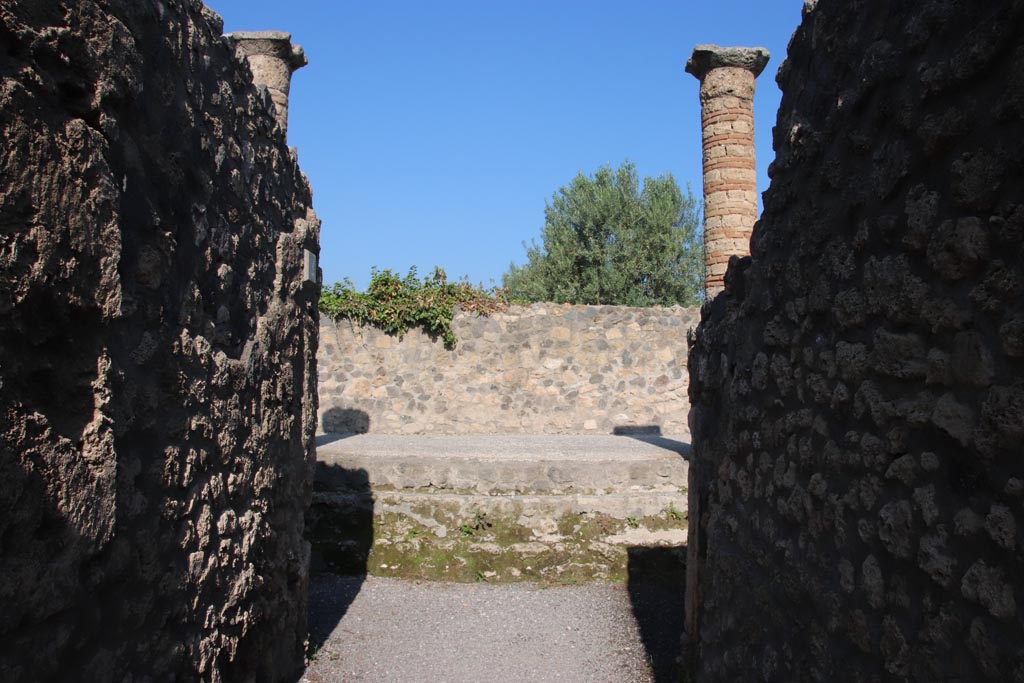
[{"x": 433, "y": 133}]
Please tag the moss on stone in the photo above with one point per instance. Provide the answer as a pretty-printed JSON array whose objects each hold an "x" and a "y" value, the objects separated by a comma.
[{"x": 473, "y": 545}]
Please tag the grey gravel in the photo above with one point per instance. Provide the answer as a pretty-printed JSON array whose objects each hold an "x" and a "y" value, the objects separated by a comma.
[{"x": 384, "y": 630}]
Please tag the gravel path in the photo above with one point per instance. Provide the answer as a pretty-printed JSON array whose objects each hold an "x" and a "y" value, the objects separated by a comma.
[{"x": 381, "y": 630}]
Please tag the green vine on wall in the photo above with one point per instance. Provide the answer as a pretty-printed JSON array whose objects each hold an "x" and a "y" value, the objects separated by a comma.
[{"x": 397, "y": 304}]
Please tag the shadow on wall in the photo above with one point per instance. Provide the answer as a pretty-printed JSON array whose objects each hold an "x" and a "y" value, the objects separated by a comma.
[
  {"x": 652, "y": 434},
  {"x": 42, "y": 565},
  {"x": 339, "y": 527},
  {"x": 656, "y": 583},
  {"x": 341, "y": 422},
  {"x": 637, "y": 430}
]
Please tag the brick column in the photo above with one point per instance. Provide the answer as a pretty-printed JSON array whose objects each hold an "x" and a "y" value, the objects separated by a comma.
[
  {"x": 730, "y": 176},
  {"x": 272, "y": 59}
]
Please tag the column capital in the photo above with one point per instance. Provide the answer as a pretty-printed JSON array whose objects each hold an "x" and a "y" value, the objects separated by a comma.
[
  {"x": 705, "y": 58},
  {"x": 275, "y": 44}
]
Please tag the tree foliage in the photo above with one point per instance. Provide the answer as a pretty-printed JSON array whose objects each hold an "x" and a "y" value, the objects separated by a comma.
[
  {"x": 606, "y": 241},
  {"x": 397, "y": 304}
]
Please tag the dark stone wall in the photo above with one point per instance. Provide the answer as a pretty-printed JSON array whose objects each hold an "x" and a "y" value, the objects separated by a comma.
[
  {"x": 157, "y": 352},
  {"x": 858, "y": 391}
]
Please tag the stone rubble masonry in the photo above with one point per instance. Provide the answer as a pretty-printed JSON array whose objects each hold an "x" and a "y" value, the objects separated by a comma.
[
  {"x": 727, "y": 77},
  {"x": 544, "y": 368},
  {"x": 858, "y": 391},
  {"x": 157, "y": 352},
  {"x": 273, "y": 59}
]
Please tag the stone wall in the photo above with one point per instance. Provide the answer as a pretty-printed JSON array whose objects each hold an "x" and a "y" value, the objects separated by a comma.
[
  {"x": 544, "y": 368},
  {"x": 157, "y": 341},
  {"x": 858, "y": 390}
]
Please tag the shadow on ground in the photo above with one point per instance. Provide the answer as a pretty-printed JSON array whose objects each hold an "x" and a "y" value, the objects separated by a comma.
[
  {"x": 339, "y": 527},
  {"x": 656, "y": 583},
  {"x": 652, "y": 434},
  {"x": 324, "y": 439}
]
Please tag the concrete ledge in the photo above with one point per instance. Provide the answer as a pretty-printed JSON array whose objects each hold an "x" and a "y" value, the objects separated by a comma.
[
  {"x": 586, "y": 447},
  {"x": 503, "y": 464}
]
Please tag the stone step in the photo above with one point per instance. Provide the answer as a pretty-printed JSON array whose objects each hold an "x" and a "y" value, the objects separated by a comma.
[
  {"x": 503, "y": 464},
  {"x": 497, "y": 508},
  {"x": 455, "y": 537},
  {"x": 441, "y": 512}
]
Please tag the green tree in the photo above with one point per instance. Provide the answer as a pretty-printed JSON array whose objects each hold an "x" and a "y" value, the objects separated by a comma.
[{"x": 606, "y": 241}]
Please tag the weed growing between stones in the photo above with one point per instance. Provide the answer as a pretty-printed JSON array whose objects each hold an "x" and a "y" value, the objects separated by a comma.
[{"x": 674, "y": 513}]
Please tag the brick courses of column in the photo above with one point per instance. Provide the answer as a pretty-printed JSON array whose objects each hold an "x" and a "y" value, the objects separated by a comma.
[
  {"x": 272, "y": 59},
  {"x": 730, "y": 175}
]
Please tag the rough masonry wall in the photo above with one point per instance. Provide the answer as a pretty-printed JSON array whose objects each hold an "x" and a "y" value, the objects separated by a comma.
[
  {"x": 157, "y": 352},
  {"x": 544, "y": 368},
  {"x": 858, "y": 391}
]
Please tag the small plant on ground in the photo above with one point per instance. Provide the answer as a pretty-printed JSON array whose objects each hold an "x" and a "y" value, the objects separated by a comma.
[
  {"x": 397, "y": 304},
  {"x": 633, "y": 522},
  {"x": 674, "y": 513},
  {"x": 479, "y": 523}
]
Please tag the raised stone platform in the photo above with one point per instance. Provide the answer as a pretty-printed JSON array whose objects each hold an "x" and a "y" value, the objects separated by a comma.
[{"x": 558, "y": 508}]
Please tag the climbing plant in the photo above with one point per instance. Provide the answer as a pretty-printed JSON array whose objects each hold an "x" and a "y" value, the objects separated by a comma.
[{"x": 397, "y": 304}]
